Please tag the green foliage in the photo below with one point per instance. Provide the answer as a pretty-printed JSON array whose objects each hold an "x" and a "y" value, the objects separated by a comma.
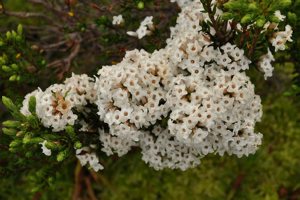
[
  {"x": 250, "y": 11},
  {"x": 18, "y": 60}
]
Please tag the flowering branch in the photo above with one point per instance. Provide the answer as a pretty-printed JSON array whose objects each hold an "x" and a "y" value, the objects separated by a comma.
[{"x": 176, "y": 104}]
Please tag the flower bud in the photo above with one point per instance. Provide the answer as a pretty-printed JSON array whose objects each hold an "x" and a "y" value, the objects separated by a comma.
[
  {"x": 36, "y": 140},
  {"x": 11, "y": 124},
  {"x": 14, "y": 34},
  {"x": 8, "y": 35},
  {"x": 62, "y": 155},
  {"x": 260, "y": 22},
  {"x": 52, "y": 145},
  {"x": 14, "y": 67},
  {"x": 247, "y": 18},
  {"x": 13, "y": 78},
  {"x": 141, "y": 5},
  {"x": 20, "y": 29},
  {"x": 26, "y": 139},
  {"x": 9, "y": 104},
  {"x": 70, "y": 131},
  {"x": 77, "y": 145},
  {"x": 15, "y": 143},
  {"x": 6, "y": 68},
  {"x": 32, "y": 104},
  {"x": 252, "y": 6},
  {"x": 20, "y": 134},
  {"x": 9, "y": 131}
]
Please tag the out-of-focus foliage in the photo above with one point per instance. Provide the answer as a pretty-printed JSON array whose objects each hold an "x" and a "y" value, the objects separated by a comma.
[{"x": 272, "y": 173}]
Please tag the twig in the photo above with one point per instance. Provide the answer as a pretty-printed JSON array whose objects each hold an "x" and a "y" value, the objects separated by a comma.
[
  {"x": 100, "y": 179},
  {"x": 24, "y": 15},
  {"x": 78, "y": 180},
  {"x": 54, "y": 45},
  {"x": 65, "y": 63},
  {"x": 48, "y": 6},
  {"x": 89, "y": 188},
  {"x": 236, "y": 185},
  {"x": 254, "y": 42}
]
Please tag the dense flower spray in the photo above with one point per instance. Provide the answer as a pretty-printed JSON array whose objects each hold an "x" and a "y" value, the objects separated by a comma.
[{"x": 177, "y": 104}]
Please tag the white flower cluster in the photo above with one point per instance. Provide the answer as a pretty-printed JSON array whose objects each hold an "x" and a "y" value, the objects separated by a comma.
[
  {"x": 278, "y": 41},
  {"x": 146, "y": 27},
  {"x": 85, "y": 157},
  {"x": 265, "y": 64},
  {"x": 280, "y": 38},
  {"x": 201, "y": 90},
  {"x": 117, "y": 20},
  {"x": 198, "y": 92},
  {"x": 280, "y": 16},
  {"x": 55, "y": 106}
]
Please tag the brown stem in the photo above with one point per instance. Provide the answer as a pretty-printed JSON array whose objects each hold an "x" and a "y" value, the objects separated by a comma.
[
  {"x": 242, "y": 39},
  {"x": 48, "y": 6},
  {"x": 90, "y": 188},
  {"x": 65, "y": 64},
  {"x": 24, "y": 15},
  {"x": 254, "y": 42},
  {"x": 78, "y": 179},
  {"x": 236, "y": 185}
]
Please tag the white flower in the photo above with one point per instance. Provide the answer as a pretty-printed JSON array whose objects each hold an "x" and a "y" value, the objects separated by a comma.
[
  {"x": 45, "y": 150},
  {"x": 279, "y": 15},
  {"x": 132, "y": 33},
  {"x": 145, "y": 28},
  {"x": 265, "y": 64},
  {"x": 280, "y": 38},
  {"x": 117, "y": 20},
  {"x": 85, "y": 157}
]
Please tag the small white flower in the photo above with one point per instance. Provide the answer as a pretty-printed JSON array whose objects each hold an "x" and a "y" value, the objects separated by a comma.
[
  {"x": 45, "y": 150},
  {"x": 145, "y": 28},
  {"x": 279, "y": 15},
  {"x": 132, "y": 33},
  {"x": 117, "y": 20}
]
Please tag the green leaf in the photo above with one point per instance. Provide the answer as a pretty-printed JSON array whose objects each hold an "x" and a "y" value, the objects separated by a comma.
[
  {"x": 260, "y": 22},
  {"x": 15, "y": 67},
  {"x": 71, "y": 132},
  {"x": 53, "y": 145},
  {"x": 13, "y": 78},
  {"x": 9, "y": 131},
  {"x": 32, "y": 104},
  {"x": 227, "y": 16},
  {"x": 8, "y": 35},
  {"x": 247, "y": 18},
  {"x": 77, "y": 145},
  {"x": 15, "y": 143},
  {"x": 20, "y": 29},
  {"x": 33, "y": 121},
  {"x": 11, "y": 124},
  {"x": 6, "y": 68},
  {"x": 253, "y": 6},
  {"x": 62, "y": 155},
  {"x": 9, "y": 104}
]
